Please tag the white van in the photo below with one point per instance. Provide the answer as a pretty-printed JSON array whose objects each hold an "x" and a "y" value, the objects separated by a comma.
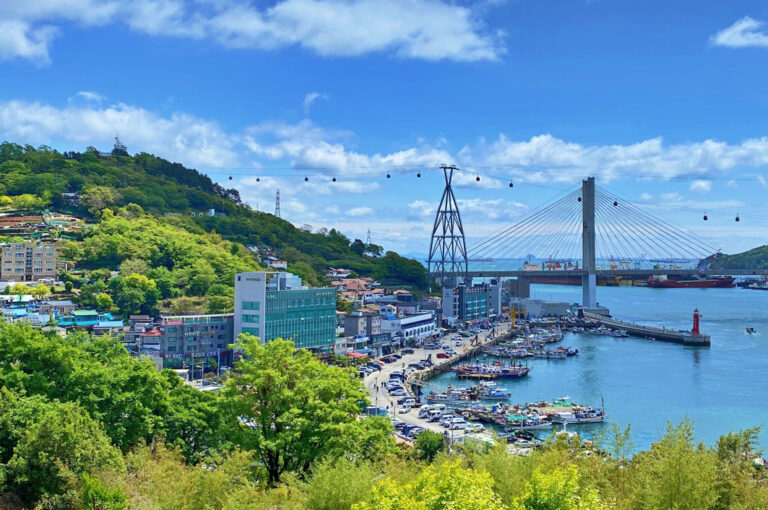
[
  {"x": 435, "y": 415},
  {"x": 438, "y": 406},
  {"x": 424, "y": 411}
]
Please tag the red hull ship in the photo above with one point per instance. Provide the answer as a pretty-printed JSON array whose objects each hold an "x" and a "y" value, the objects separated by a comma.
[{"x": 718, "y": 282}]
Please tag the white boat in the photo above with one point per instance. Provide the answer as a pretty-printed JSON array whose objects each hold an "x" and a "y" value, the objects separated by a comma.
[{"x": 588, "y": 415}]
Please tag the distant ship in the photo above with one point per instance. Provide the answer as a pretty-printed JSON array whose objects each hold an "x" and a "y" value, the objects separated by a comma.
[
  {"x": 481, "y": 260},
  {"x": 698, "y": 283}
]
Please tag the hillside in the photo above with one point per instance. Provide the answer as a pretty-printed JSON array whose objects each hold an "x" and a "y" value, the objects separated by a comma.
[
  {"x": 756, "y": 258},
  {"x": 37, "y": 178}
]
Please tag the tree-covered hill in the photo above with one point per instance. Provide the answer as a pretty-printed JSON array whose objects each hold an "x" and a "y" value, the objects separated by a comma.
[
  {"x": 756, "y": 258},
  {"x": 36, "y": 178}
]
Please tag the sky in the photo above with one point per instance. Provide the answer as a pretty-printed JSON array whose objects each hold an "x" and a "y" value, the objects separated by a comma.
[{"x": 663, "y": 102}]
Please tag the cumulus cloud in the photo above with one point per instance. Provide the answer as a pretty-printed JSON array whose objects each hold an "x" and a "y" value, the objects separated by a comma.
[
  {"x": 180, "y": 137},
  {"x": 545, "y": 158},
  {"x": 420, "y": 29},
  {"x": 744, "y": 33},
  {"x": 701, "y": 186}
]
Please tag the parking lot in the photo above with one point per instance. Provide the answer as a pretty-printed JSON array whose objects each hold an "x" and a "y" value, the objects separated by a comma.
[{"x": 380, "y": 397}]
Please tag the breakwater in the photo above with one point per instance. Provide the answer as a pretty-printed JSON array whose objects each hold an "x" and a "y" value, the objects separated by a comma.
[{"x": 660, "y": 334}]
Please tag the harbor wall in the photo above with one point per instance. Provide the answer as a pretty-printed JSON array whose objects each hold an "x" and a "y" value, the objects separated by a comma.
[{"x": 660, "y": 334}]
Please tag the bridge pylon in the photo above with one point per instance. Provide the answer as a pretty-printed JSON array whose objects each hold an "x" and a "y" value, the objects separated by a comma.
[
  {"x": 589, "y": 279},
  {"x": 447, "y": 260}
]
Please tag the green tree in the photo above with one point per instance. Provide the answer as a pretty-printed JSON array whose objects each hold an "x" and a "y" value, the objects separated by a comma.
[
  {"x": 44, "y": 441},
  {"x": 98, "y": 198},
  {"x": 103, "y": 301},
  {"x": 445, "y": 486},
  {"x": 677, "y": 472},
  {"x": 428, "y": 444},
  {"x": 288, "y": 407},
  {"x": 558, "y": 490}
]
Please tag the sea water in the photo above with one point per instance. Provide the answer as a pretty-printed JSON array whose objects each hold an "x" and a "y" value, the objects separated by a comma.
[{"x": 647, "y": 383}]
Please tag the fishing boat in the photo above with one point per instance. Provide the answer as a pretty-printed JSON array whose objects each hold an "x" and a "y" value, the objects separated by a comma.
[
  {"x": 533, "y": 422},
  {"x": 580, "y": 416},
  {"x": 496, "y": 394}
]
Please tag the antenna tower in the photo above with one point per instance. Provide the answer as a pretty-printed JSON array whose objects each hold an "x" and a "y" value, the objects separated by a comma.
[
  {"x": 277, "y": 204},
  {"x": 447, "y": 247}
]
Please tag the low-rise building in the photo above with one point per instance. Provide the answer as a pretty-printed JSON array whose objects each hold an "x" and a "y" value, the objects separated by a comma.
[
  {"x": 362, "y": 323},
  {"x": 417, "y": 325}
]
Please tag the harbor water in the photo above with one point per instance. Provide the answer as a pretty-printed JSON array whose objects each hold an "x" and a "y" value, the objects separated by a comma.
[{"x": 646, "y": 383}]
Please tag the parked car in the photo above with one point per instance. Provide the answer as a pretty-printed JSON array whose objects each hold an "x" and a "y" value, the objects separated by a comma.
[
  {"x": 404, "y": 409},
  {"x": 398, "y": 392},
  {"x": 396, "y": 356},
  {"x": 407, "y": 351},
  {"x": 443, "y": 355},
  {"x": 457, "y": 343}
]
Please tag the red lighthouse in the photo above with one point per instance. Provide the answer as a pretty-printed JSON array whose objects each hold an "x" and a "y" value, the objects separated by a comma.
[{"x": 696, "y": 317}]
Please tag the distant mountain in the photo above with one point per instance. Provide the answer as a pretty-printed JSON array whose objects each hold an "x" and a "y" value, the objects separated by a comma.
[{"x": 86, "y": 183}]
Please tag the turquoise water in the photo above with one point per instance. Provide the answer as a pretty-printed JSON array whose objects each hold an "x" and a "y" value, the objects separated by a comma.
[{"x": 646, "y": 383}]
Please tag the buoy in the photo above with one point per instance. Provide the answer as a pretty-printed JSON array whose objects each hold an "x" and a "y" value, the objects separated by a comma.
[
  {"x": 477, "y": 178},
  {"x": 705, "y": 216},
  {"x": 579, "y": 199},
  {"x": 615, "y": 203},
  {"x": 511, "y": 185},
  {"x": 334, "y": 179},
  {"x": 737, "y": 217},
  {"x": 418, "y": 174},
  {"x": 306, "y": 179},
  {"x": 388, "y": 175}
]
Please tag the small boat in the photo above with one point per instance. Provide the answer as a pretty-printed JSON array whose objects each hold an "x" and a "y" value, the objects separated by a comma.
[
  {"x": 751, "y": 331},
  {"x": 581, "y": 416},
  {"x": 496, "y": 394}
]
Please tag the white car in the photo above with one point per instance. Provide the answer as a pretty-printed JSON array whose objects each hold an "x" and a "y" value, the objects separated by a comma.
[
  {"x": 458, "y": 423},
  {"x": 404, "y": 409}
]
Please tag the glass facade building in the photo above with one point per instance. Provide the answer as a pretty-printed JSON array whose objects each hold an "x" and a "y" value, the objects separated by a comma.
[
  {"x": 306, "y": 316},
  {"x": 276, "y": 305}
]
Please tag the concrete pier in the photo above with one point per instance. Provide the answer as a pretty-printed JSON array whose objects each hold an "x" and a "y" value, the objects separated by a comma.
[{"x": 661, "y": 334}]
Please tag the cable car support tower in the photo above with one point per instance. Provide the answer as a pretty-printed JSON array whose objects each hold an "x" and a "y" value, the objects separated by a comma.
[{"x": 447, "y": 260}]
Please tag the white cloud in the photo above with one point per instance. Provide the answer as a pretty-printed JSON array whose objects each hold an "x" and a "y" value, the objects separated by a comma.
[
  {"x": 360, "y": 211},
  {"x": 311, "y": 98},
  {"x": 19, "y": 39},
  {"x": 180, "y": 137},
  {"x": 546, "y": 159},
  {"x": 744, "y": 33},
  {"x": 701, "y": 186},
  {"x": 421, "y": 29},
  {"x": 646, "y": 196}
]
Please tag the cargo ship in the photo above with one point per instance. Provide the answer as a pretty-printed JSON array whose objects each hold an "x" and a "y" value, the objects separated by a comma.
[{"x": 716, "y": 282}]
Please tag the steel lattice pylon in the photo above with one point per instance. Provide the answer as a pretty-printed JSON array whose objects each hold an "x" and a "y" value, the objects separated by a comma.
[{"x": 447, "y": 247}]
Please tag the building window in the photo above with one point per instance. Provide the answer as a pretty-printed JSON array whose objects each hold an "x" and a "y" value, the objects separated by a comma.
[
  {"x": 250, "y": 318},
  {"x": 171, "y": 349},
  {"x": 251, "y": 305},
  {"x": 251, "y": 331},
  {"x": 171, "y": 339}
]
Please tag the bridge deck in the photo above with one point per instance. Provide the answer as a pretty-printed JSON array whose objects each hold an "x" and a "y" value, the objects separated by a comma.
[{"x": 622, "y": 272}]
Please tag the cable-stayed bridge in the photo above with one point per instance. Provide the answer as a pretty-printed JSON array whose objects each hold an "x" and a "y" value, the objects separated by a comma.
[{"x": 583, "y": 233}]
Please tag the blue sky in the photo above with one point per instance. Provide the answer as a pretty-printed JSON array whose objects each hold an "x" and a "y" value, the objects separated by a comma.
[{"x": 663, "y": 101}]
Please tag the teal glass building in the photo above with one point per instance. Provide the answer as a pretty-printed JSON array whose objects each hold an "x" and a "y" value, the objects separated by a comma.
[{"x": 277, "y": 305}]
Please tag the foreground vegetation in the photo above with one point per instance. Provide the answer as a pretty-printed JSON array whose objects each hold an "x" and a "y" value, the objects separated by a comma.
[{"x": 83, "y": 425}]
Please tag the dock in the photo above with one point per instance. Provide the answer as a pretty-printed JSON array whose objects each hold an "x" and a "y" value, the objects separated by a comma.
[
  {"x": 660, "y": 334},
  {"x": 417, "y": 378}
]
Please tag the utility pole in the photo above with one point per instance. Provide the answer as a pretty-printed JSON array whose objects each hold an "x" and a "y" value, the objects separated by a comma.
[{"x": 277, "y": 204}]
